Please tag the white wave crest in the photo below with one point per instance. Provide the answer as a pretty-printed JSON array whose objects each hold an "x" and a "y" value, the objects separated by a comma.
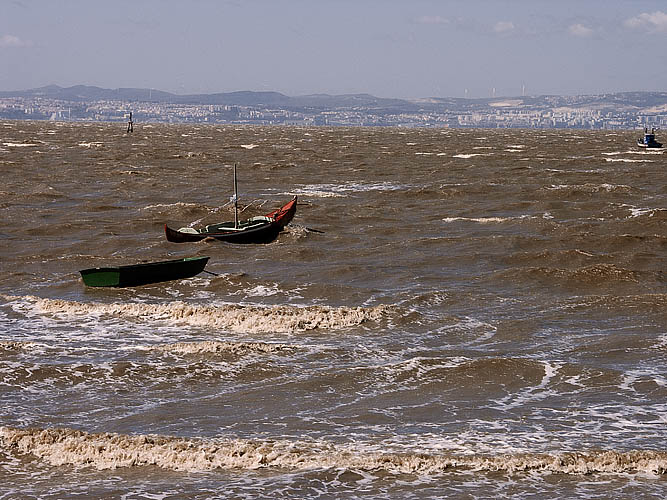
[
  {"x": 213, "y": 347},
  {"x": 59, "y": 446},
  {"x": 236, "y": 318},
  {"x": 479, "y": 220},
  {"x": 342, "y": 190},
  {"x": 466, "y": 156},
  {"x": 14, "y": 345},
  {"x": 627, "y": 160},
  {"x": 591, "y": 188}
]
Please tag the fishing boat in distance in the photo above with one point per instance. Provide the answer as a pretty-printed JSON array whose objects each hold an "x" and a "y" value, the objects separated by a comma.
[
  {"x": 145, "y": 273},
  {"x": 259, "y": 229},
  {"x": 649, "y": 142}
]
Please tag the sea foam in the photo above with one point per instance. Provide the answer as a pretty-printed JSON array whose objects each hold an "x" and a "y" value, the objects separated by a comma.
[
  {"x": 213, "y": 347},
  {"x": 62, "y": 446},
  {"x": 236, "y": 318}
]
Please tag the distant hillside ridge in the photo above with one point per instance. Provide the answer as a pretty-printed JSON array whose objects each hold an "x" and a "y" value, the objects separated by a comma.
[
  {"x": 83, "y": 93},
  {"x": 621, "y": 110}
]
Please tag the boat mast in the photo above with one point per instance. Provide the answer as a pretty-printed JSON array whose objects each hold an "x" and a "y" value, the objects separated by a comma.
[{"x": 236, "y": 201}]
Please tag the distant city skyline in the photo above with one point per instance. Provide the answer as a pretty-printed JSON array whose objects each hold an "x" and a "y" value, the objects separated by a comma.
[
  {"x": 417, "y": 49},
  {"x": 629, "y": 110}
]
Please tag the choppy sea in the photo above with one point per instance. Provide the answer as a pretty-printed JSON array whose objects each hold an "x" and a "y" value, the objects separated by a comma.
[{"x": 450, "y": 314}]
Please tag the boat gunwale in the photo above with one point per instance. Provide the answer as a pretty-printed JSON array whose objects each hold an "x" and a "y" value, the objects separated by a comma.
[
  {"x": 279, "y": 219},
  {"x": 144, "y": 265}
]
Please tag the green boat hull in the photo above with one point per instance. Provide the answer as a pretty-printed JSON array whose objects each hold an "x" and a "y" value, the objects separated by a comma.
[{"x": 143, "y": 274}]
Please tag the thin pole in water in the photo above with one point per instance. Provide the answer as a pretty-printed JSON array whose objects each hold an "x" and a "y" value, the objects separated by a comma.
[{"x": 236, "y": 201}]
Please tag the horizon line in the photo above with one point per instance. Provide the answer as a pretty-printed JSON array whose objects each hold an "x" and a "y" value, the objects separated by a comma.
[{"x": 490, "y": 97}]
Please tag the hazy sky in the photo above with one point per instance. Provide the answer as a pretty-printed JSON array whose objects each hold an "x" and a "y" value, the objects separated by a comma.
[{"x": 388, "y": 48}]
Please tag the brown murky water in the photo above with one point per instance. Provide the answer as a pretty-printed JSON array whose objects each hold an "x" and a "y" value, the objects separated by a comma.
[{"x": 462, "y": 313}]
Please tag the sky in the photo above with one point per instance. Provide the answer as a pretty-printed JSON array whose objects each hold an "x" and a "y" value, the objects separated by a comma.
[{"x": 387, "y": 48}]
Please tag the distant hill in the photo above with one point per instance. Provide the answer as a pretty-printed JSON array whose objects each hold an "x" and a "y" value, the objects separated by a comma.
[
  {"x": 89, "y": 93},
  {"x": 622, "y": 110},
  {"x": 322, "y": 102},
  {"x": 241, "y": 98}
]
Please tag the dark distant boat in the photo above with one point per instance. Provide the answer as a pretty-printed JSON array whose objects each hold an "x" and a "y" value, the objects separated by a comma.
[
  {"x": 649, "y": 142},
  {"x": 260, "y": 229},
  {"x": 143, "y": 274}
]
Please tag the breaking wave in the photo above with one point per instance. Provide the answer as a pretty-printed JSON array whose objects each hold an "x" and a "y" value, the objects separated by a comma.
[
  {"x": 626, "y": 160},
  {"x": 213, "y": 347},
  {"x": 236, "y": 318},
  {"x": 342, "y": 190},
  {"x": 485, "y": 220},
  {"x": 14, "y": 346},
  {"x": 62, "y": 446},
  {"x": 590, "y": 188}
]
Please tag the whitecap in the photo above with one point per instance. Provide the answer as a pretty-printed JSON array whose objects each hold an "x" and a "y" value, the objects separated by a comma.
[
  {"x": 262, "y": 291},
  {"x": 639, "y": 212},
  {"x": 627, "y": 160},
  {"x": 104, "y": 451},
  {"x": 480, "y": 220},
  {"x": 216, "y": 347},
  {"x": 340, "y": 190},
  {"x": 466, "y": 156},
  {"x": 232, "y": 317}
]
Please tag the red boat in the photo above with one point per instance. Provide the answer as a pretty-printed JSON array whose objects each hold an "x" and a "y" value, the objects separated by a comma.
[{"x": 260, "y": 229}]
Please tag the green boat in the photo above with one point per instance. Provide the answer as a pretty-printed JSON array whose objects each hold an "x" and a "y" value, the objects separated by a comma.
[{"x": 143, "y": 274}]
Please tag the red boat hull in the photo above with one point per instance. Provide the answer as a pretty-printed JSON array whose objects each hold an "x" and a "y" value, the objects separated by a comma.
[{"x": 264, "y": 233}]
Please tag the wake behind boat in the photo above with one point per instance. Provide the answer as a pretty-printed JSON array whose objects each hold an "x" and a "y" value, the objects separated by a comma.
[{"x": 260, "y": 229}]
